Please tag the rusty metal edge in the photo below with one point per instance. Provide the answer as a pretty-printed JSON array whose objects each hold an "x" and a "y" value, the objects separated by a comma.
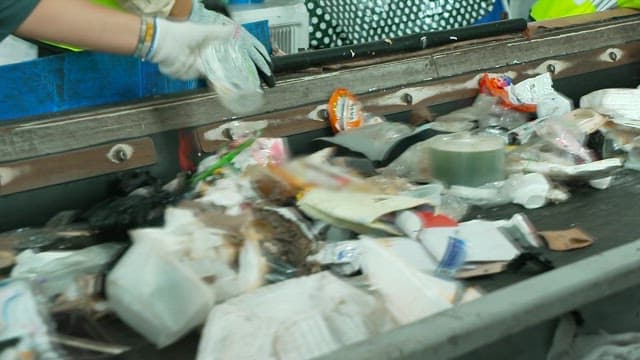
[
  {"x": 65, "y": 167},
  {"x": 297, "y": 120},
  {"x": 39, "y": 137}
]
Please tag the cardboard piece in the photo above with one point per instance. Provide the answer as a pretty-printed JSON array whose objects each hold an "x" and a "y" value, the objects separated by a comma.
[{"x": 564, "y": 240}]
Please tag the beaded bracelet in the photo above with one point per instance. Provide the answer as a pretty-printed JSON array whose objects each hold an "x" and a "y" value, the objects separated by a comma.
[{"x": 145, "y": 39}]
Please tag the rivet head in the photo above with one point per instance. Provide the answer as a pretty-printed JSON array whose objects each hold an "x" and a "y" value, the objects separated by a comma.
[
  {"x": 121, "y": 155},
  {"x": 613, "y": 56},
  {"x": 407, "y": 99},
  {"x": 323, "y": 114},
  {"x": 551, "y": 68}
]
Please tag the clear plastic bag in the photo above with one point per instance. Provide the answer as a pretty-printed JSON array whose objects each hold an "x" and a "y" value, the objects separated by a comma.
[
  {"x": 566, "y": 136},
  {"x": 413, "y": 164},
  {"x": 26, "y": 327},
  {"x": 233, "y": 75},
  {"x": 373, "y": 141},
  {"x": 57, "y": 270},
  {"x": 486, "y": 112}
]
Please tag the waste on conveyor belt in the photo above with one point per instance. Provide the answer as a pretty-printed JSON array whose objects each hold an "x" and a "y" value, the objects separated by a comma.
[{"x": 304, "y": 255}]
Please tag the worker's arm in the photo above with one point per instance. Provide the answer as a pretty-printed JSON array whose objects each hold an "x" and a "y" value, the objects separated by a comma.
[
  {"x": 247, "y": 42},
  {"x": 181, "y": 9},
  {"x": 83, "y": 24},
  {"x": 174, "y": 46},
  {"x": 195, "y": 11}
]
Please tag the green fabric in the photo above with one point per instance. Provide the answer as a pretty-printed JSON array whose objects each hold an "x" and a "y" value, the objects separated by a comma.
[
  {"x": 635, "y": 4},
  {"x": 109, "y": 3},
  {"x": 13, "y": 13},
  {"x": 551, "y": 9}
]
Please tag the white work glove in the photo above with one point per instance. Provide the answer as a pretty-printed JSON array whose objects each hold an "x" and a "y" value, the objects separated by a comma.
[
  {"x": 246, "y": 42},
  {"x": 177, "y": 46}
]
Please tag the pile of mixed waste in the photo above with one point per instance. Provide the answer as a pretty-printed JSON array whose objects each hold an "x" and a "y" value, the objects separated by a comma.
[{"x": 305, "y": 255}]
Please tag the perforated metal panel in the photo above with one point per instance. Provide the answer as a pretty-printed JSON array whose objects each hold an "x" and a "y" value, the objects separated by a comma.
[{"x": 284, "y": 38}]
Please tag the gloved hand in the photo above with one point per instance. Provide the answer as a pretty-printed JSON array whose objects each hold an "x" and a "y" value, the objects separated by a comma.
[
  {"x": 246, "y": 42},
  {"x": 177, "y": 45}
]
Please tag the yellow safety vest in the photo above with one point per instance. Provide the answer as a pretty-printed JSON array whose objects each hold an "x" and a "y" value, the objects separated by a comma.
[
  {"x": 551, "y": 9},
  {"x": 108, "y": 3},
  {"x": 113, "y": 4}
]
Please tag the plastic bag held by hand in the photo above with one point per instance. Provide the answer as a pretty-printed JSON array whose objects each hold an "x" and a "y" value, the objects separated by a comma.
[
  {"x": 176, "y": 46},
  {"x": 233, "y": 76},
  {"x": 245, "y": 41}
]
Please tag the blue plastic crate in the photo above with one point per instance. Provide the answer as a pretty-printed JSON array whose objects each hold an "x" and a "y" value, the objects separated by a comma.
[
  {"x": 494, "y": 15},
  {"x": 79, "y": 80}
]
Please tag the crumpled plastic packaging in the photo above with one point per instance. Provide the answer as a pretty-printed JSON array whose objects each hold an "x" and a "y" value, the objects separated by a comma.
[
  {"x": 485, "y": 112},
  {"x": 59, "y": 233},
  {"x": 263, "y": 152},
  {"x": 298, "y": 319},
  {"x": 619, "y": 141},
  {"x": 176, "y": 274},
  {"x": 25, "y": 320},
  {"x": 67, "y": 237},
  {"x": 231, "y": 193},
  {"x": 432, "y": 192},
  {"x": 221, "y": 164},
  {"x": 346, "y": 112},
  {"x": 557, "y": 172},
  {"x": 529, "y": 190},
  {"x": 539, "y": 90},
  {"x": 413, "y": 164},
  {"x": 281, "y": 184},
  {"x": 453, "y": 207},
  {"x": 373, "y": 141},
  {"x": 55, "y": 271},
  {"x": 620, "y": 104},
  {"x": 501, "y": 86},
  {"x": 409, "y": 294},
  {"x": 343, "y": 257},
  {"x": 565, "y": 135},
  {"x": 491, "y": 194},
  {"x": 587, "y": 120},
  {"x": 539, "y": 151}
]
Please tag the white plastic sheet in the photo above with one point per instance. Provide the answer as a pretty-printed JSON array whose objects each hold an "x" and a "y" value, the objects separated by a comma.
[
  {"x": 55, "y": 271},
  {"x": 297, "y": 319}
]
